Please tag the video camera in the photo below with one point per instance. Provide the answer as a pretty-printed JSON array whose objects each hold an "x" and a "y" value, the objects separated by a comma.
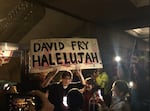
[{"x": 20, "y": 102}]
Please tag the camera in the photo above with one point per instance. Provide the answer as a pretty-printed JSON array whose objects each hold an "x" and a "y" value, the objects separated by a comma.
[
  {"x": 18, "y": 102},
  {"x": 21, "y": 102}
]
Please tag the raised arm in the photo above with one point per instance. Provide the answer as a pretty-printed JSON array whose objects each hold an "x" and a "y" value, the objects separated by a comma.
[
  {"x": 46, "y": 105},
  {"x": 49, "y": 78},
  {"x": 80, "y": 75}
]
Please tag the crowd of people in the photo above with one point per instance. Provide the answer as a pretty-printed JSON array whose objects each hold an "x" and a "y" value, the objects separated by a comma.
[
  {"x": 94, "y": 93},
  {"x": 89, "y": 98}
]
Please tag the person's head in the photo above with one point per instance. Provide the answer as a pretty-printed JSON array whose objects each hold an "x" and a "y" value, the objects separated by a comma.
[
  {"x": 98, "y": 71},
  {"x": 74, "y": 99},
  {"x": 66, "y": 78},
  {"x": 89, "y": 84},
  {"x": 120, "y": 88}
]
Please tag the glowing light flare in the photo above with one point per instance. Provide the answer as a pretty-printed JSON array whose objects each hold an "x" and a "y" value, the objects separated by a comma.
[
  {"x": 117, "y": 58},
  {"x": 131, "y": 84},
  {"x": 65, "y": 101}
]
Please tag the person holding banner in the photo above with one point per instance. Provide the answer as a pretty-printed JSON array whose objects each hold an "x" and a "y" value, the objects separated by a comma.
[{"x": 58, "y": 91}]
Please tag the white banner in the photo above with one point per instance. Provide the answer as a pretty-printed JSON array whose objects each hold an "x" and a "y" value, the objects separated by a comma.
[{"x": 65, "y": 53}]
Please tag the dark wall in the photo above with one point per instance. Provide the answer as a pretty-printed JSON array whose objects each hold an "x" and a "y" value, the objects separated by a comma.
[{"x": 114, "y": 42}]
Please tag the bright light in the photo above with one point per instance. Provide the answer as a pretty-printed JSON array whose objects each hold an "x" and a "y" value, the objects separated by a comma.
[
  {"x": 6, "y": 86},
  {"x": 100, "y": 95},
  {"x": 131, "y": 84},
  {"x": 117, "y": 58},
  {"x": 65, "y": 101}
]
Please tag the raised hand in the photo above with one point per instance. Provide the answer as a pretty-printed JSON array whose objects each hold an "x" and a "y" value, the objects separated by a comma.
[{"x": 46, "y": 105}]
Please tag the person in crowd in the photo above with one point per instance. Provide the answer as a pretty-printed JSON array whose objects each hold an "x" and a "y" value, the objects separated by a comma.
[
  {"x": 74, "y": 100},
  {"x": 120, "y": 93},
  {"x": 120, "y": 97},
  {"x": 141, "y": 78},
  {"x": 101, "y": 78},
  {"x": 59, "y": 90},
  {"x": 88, "y": 93}
]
